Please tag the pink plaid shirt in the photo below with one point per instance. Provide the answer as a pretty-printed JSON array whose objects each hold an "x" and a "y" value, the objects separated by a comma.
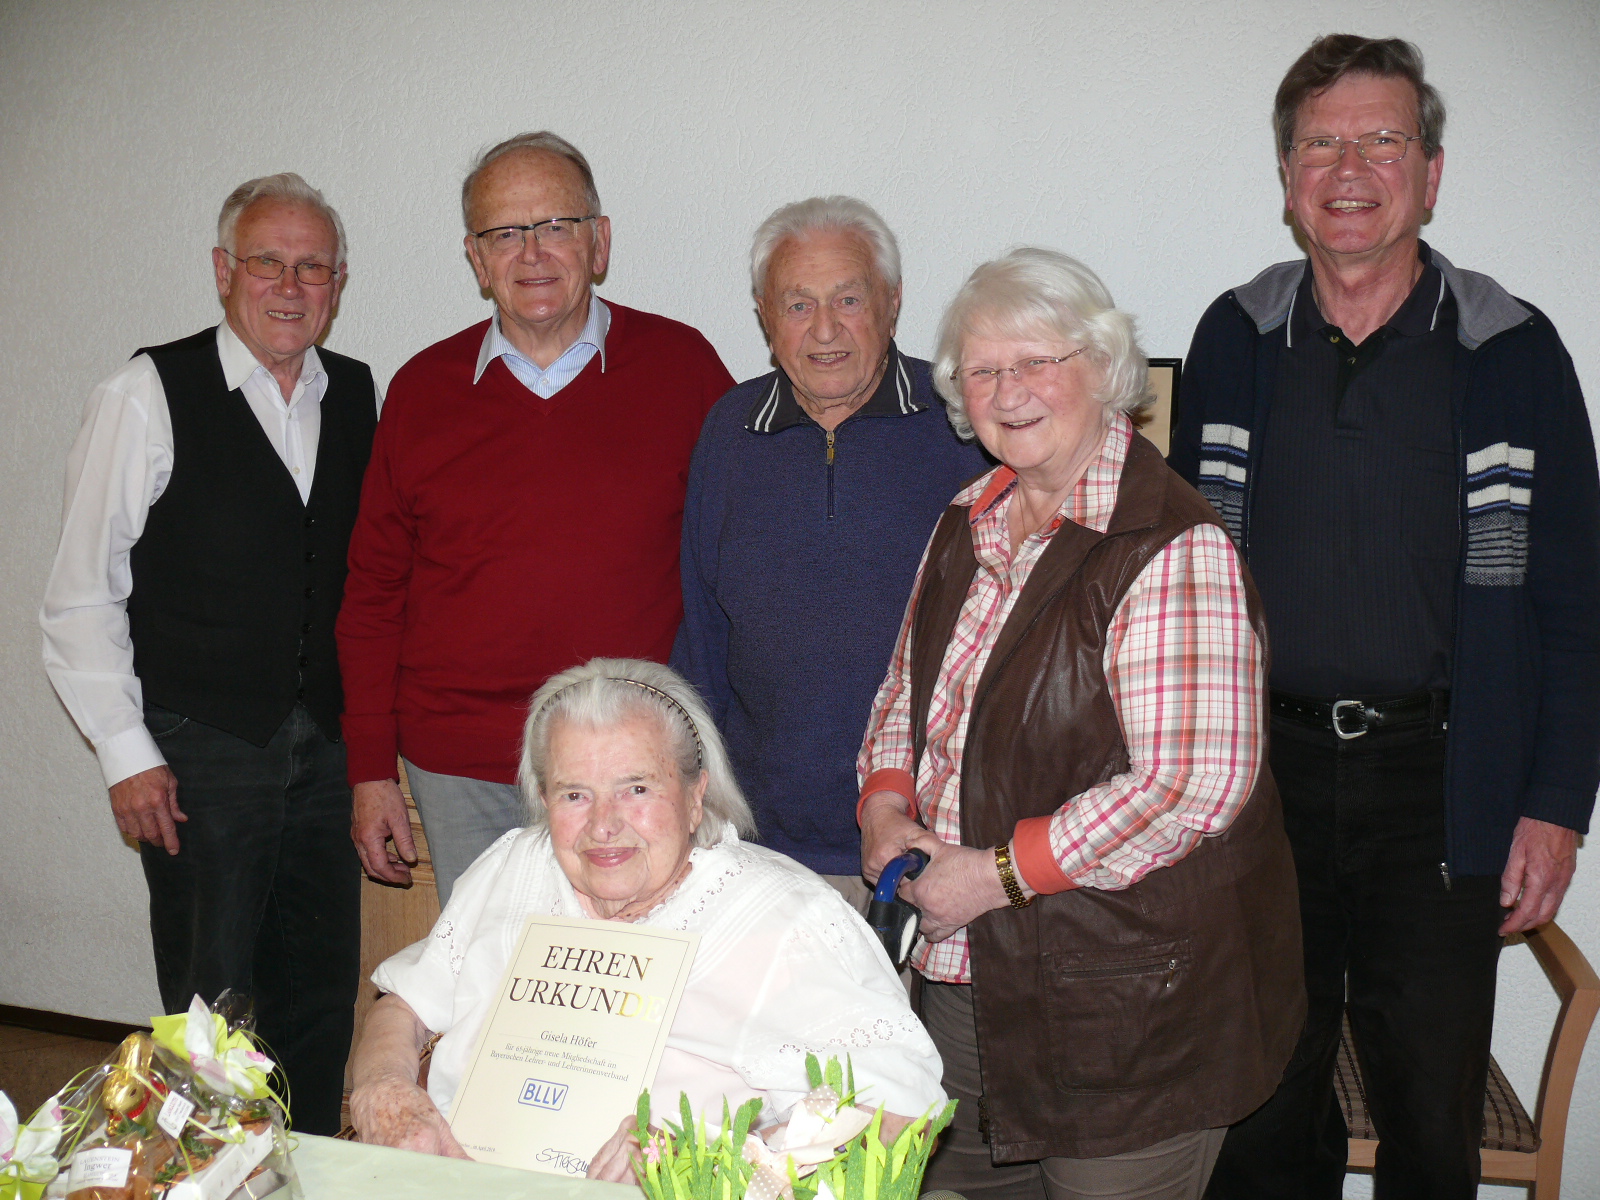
[{"x": 1185, "y": 673}]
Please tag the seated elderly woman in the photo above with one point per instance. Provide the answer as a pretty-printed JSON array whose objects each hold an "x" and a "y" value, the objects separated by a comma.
[
  {"x": 635, "y": 816},
  {"x": 1072, "y": 728}
]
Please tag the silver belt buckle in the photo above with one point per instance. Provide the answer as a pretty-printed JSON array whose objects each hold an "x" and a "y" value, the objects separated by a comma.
[{"x": 1340, "y": 707}]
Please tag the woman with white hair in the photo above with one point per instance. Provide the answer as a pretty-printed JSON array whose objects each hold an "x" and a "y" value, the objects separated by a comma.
[
  {"x": 1072, "y": 729},
  {"x": 634, "y": 816}
]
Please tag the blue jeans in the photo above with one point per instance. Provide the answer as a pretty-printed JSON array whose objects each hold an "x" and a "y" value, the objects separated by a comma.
[
  {"x": 263, "y": 896},
  {"x": 462, "y": 818}
]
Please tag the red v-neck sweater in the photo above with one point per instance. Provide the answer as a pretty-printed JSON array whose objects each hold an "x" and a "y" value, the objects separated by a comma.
[{"x": 503, "y": 538}]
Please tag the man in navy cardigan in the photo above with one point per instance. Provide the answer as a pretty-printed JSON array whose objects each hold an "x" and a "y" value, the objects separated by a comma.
[
  {"x": 1401, "y": 450},
  {"x": 812, "y": 492}
]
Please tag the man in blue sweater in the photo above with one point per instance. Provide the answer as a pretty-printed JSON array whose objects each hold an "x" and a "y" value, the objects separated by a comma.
[
  {"x": 812, "y": 492},
  {"x": 1401, "y": 450}
]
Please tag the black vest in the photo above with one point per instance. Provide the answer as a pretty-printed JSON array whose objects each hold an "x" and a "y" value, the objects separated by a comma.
[{"x": 236, "y": 582}]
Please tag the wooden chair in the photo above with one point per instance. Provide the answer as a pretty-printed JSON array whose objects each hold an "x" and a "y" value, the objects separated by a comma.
[
  {"x": 392, "y": 918},
  {"x": 1517, "y": 1149}
]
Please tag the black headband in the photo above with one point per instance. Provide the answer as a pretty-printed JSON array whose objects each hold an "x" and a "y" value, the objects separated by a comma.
[{"x": 694, "y": 730}]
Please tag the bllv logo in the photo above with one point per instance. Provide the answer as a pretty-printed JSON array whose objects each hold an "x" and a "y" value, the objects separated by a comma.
[{"x": 542, "y": 1094}]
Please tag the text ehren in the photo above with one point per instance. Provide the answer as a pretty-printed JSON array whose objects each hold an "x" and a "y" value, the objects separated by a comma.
[{"x": 617, "y": 1001}]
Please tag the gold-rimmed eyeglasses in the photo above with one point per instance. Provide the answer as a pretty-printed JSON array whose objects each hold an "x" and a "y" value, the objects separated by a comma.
[
  {"x": 511, "y": 239},
  {"x": 314, "y": 273},
  {"x": 1376, "y": 148},
  {"x": 981, "y": 381}
]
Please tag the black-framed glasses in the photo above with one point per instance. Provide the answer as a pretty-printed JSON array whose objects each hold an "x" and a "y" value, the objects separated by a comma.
[
  {"x": 981, "y": 381},
  {"x": 1376, "y": 148},
  {"x": 314, "y": 273},
  {"x": 511, "y": 239}
]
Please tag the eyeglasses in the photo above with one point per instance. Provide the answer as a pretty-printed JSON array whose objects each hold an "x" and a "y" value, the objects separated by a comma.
[
  {"x": 314, "y": 273},
  {"x": 984, "y": 381},
  {"x": 1376, "y": 148},
  {"x": 511, "y": 239}
]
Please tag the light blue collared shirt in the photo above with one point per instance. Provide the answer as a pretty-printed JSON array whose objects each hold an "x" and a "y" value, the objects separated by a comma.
[{"x": 547, "y": 381}]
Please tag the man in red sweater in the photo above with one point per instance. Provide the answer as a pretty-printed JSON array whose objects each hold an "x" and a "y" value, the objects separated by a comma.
[{"x": 521, "y": 513}]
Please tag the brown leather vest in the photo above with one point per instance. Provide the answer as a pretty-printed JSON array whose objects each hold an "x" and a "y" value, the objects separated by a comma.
[{"x": 1107, "y": 1020}]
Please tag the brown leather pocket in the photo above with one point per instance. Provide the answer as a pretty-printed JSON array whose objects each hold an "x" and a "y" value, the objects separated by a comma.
[{"x": 1121, "y": 1018}]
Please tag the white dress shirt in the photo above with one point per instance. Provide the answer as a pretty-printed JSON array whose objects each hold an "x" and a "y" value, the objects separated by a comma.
[
  {"x": 119, "y": 466},
  {"x": 547, "y": 381}
]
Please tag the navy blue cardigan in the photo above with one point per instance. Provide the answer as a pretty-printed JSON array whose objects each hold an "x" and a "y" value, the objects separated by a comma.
[
  {"x": 795, "y": 581},
  {"x": 1524, "y": 735}
]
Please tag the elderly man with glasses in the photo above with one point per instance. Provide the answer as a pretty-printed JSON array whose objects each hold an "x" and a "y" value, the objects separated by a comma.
[
  {"x": 1401, "y": 451},
  {"x": 521, "y": 514},
  {"x": 189, "y": 630}
]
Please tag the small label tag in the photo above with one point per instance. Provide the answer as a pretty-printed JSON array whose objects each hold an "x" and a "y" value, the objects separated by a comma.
[
  {"x": 174, "y": 1112},
  {"x": 104, "y": 1166}
]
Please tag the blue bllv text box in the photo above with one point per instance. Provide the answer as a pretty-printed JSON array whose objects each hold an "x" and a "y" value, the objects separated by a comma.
[{"x": 543, "y": 1094}]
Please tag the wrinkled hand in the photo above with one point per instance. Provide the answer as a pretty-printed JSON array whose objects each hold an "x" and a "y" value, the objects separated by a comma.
[
  {"x": 958, "y": 885},
  {"x": 886, "y": 832},
  {"x": 1543, "y": 858},
  {"x": 614, "y": 1161},
  {"x": 146, "y": 807},
  {"x": 393, "y": 1111},
  {"x": 377, "y": 814}
]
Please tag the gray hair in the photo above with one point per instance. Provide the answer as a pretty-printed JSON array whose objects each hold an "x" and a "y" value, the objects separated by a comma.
[
  {"x": 1332, "y": 57},
  {"x": 1031, "y": 292},
  {"x": 607, "y": 691},
  {"x": 285, "y": 186},
  {"x": 825, "y": 214},
  {"x": 544, "y": 141}
]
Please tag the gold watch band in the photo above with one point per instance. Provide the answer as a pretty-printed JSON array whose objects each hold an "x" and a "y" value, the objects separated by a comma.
[{"x": 1008, "y": 877}]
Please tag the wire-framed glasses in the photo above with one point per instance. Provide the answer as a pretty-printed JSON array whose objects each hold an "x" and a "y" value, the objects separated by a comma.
[
  {"x": 981, "y": 381},
  {"x": 314, "y": 273},
  {"x": 511, "y": 239},
  {"x": 1376, "y": 148}
]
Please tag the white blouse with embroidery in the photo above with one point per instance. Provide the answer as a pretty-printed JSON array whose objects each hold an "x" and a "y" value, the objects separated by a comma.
[{"x": 784, "y": 967}]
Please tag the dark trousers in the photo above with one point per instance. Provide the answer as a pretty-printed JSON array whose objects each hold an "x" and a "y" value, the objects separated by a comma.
[
  {"x": 263, "y": 895},
  {"x": 1413, "y": 953}
]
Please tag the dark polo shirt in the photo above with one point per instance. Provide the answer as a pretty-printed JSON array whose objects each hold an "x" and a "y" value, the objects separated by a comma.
[{"x": 1355, "y": 538}]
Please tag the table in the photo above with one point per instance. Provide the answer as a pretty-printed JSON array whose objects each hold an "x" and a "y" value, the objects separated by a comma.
[{"x": 333, "y": 1170}]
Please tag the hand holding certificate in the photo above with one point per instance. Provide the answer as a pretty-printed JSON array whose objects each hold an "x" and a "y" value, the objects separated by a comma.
[{"x": 573, "y": 1038}]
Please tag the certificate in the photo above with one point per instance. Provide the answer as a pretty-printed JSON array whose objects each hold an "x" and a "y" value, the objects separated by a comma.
[{"x": 575, "y": 1035}]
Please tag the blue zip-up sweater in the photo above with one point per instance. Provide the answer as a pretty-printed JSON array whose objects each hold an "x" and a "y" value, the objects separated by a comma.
[
  {"x": 796, "y": 573},
  {"x": 1524, "y": 734}
]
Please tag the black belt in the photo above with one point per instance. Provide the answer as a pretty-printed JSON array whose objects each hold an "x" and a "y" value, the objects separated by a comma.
[{"x": 1353, "y": 718}]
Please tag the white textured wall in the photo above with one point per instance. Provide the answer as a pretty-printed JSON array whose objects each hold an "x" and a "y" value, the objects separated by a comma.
[{"x": 1133, "y": 135}]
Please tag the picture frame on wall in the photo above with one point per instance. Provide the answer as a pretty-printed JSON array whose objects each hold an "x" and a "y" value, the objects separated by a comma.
[{"x": 1158, "y": 420}]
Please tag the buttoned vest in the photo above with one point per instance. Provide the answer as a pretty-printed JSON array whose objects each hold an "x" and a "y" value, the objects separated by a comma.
[
  {"x": 1107, "y": 1021},
  {"x": 236, "y": 581}
]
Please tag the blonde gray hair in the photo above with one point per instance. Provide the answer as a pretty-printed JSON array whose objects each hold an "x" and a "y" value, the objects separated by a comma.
[
  {"x": 285, "y": 186},
  {"x": 825, "y": 214},
  {"x": 1030, "y": 293},
  {"x": 604, "y": 692}
]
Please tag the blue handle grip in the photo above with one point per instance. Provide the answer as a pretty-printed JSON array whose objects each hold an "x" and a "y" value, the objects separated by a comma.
[
  {"x": 892, "y": 919},
  {"x": 908, "y": 866}
]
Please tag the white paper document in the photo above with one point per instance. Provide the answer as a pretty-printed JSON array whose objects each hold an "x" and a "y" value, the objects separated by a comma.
[{"x": 575, "y": 1034}]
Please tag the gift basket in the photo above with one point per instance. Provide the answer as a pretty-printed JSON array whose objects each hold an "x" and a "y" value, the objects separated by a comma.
[
  {"x": 828, "y": 1149},
  {"x": 184, "y": 1112}
]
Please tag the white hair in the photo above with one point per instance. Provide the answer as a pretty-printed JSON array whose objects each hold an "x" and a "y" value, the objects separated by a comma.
[
  {"x": 285, "y": 186},
  {"x": 523, "y": 143},
  {"x": 825, "y": 214},
  {"x": 1030, "y": 293},
  {"x": 605, "y": 692}
]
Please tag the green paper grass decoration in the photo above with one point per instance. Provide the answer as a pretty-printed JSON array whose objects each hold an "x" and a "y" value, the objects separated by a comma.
[{"x": 683, "y": 1163}]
